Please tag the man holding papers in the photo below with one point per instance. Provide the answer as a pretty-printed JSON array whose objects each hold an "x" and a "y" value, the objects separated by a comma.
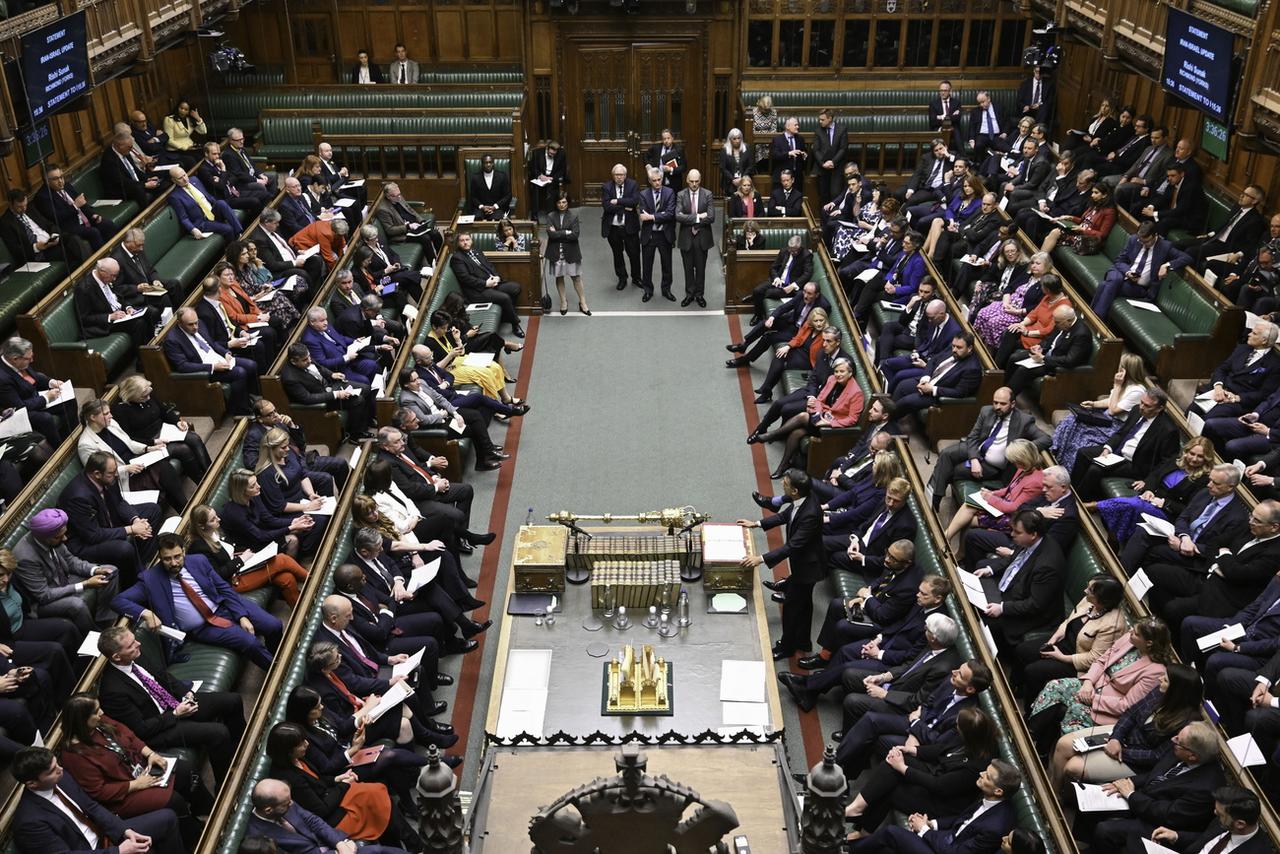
[
  {"x": 190, "y": 350},
  {"x": 898, "y": 642},
  {"x": 1176, "y": 794},
  {"x": 183, "y": 592},
  {"x": 1138, "y": 270},
  {"x": 102, "y": 312},
  {"x": 1247, "y": 702},
  {"x": 1241, "y": 231},
  {"x": 1146, "y": 437},
  {"x": 1245, "y": 640},
  {"x": 309, "y": 384},
  {"x": 1235, "y": 829},
  {"x": 365, "y": 320},
  {"x": 331, "y": 349},
  {"x": 1069, "y": 344},
  {"x": 104, "y": 528},
  {"x": 1245, "y": 379}
]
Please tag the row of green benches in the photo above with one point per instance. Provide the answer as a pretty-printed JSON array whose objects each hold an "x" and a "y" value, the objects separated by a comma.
[
  {"x": 290, "y": 137},
  {"x": 273, "y": 75}
]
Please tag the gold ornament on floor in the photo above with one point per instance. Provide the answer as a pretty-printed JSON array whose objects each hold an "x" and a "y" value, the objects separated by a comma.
[{"x": 638, "y": 686}]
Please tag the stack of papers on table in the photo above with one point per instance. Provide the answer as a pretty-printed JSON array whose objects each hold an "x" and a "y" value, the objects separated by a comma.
[
  {"x": 742, "y": 696},
  {"x": 723, "y": 543},
  {"x": 524, "y": 693}
]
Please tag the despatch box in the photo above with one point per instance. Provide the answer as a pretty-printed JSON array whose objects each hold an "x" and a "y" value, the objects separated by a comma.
[{"x": 539, "y": 558}]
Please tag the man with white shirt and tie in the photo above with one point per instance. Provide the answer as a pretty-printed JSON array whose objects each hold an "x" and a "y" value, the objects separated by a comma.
[
  {"x": 55, "y": 814},
  {"x": 243, "y": 174},
  {"x": 830, "y": 148},
  {"x": 985, "y": 126},
  {"x": 787, "y": 150},
  {"x": 71, "y": 212},
  {"x": 944, "y": 113},
  {"x": 165, "y": 712},
  {"x": 1213, "y": 520},
  {"x": 101, "y": 310},
  {"x": 122, "y": 177},
  {"x": 1239, "y": 234},
  {"x": 620, "y": 225},
  {"x": 402, "y": 225},
  {"x": 1147, "y": 436},
  {"x": 1023, "y": 584},
  {"x": 856, "y": 539},
  {"x": 278, "y": 256},
  {"x": 404, "y": 71},
  {"x": 30, "y": 237},
  {"x": 138, "y": 281},
  {"x": 1234, "y": 831},
  {"x": 978, "y": 829},
  {"x": 190, "y": 350},
  {"x": 667, "y": 156},
  {"x": 695, "y": 212},
  {"x": 1139, "y": 269},
  {"x": 953, "y": 373}
]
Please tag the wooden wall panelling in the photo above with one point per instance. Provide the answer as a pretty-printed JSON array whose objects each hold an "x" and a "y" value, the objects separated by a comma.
[
  {"x": 414, "y": 31},
  {"x": 450, "y": 35},
  {"x": 508, "y": 26},
  {"x": 481, "y": 34},
  {"x": 383, "y": 27}
]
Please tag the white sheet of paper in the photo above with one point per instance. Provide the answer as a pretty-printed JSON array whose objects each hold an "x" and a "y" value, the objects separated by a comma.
[
  {"x": 258, "y": 324},
  {"x": 723, "y": 543},
  {"x": 33, "y": 267},
  {"x": 344, "y": 203},
  {"x": 744, "y": 714},
  {"x": 1091, "y": 798},
  {"x": 1030, "y": 363},
  {"x": 1149, "y": 847},
  {"x": 480, "y": 306},
  {"x": 176, "y": 634},
  {"x": 426, "y": 271},
  {"x": 1195, "y": 423},
  {"x": 527, "y": 670},
  {"x": 328, "y": 505},
  {"x": 261, "y": 556},
  {"x": 66, "y": 394},
  {"x": 1232, "y": 632},
  {"x": 353, "y": 182},
  {"x": 540, "y": 181},
  {"x": 170, "y": 525},
  {"x": 395, "y": 695},
  {"x": 379, "y": 383},
  {"x": 18, "y": 422},
  {"x": 39, "y": 740},
  {"x": 887, "y": 305},
  {"x": 106, "y": 203},
  {"x": 976, "y": 498},
  {"x": 1246, "y": 750},
  {"x": 410, "y": 313},
  {"x": 466, "y": 219},
  {"x": 990, "y": 639},
  {"x": 973, "y": 589},
  {"x": 355, "y": 457},
  {"x": 867, "y": 275},
  {"x": 209, "y": 357},
  {"x": 1146, "y": 306},
  {"x": 142, "y": 496},
  {"x": 742, "y": 681},
  {"x": 1162, "y": 527},
  {"x": 150, "y": 457},
  {"x": 1140, "y": 583},
  {"x": 521, "y": 711},
  {"x": 1004, "y": 202},
  {"x": 171, "y": 433},
  {"x": 89, "y": 646},
  {"x": 1224, "y": 256},
  {"x": 423, "y": 575},
  {"x": 304, "y": 255},
  {"x": 130, "y": 314},
  {"x": 202, "y": 235},
  {"x": 973, "y": 260},
  {"x": 1107, "y": 460},
  {"x": 409, "y": 665},
  {"x": 477, "y": 360}
]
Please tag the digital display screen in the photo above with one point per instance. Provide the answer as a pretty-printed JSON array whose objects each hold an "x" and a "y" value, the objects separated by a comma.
[
  {"x": 1198, "y": 64},
  {"x": 55, "y": 66}
]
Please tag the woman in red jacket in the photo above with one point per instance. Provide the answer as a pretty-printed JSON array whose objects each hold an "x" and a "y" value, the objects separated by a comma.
[
  {"x": 838, "y": 404},
  {"x": 1026, "y": 484},
  {"x": 798, "y": 354},
  {"x": 119, "y": 771},
  {"x": 1095, "y": 222}
]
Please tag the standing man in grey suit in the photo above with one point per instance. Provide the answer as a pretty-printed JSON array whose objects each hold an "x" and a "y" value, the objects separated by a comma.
[
  {"x": 695, "y": 213},
  {"x": 657, "y": 232},
  {"x": 404, "y": 70},
  {"x": 830, "y": 146}
]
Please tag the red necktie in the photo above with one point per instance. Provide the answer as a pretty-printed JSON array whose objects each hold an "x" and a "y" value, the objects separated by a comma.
[
  {"x": 356, "y": 702},
  {"x": 419, "y": 469},
  {"x": 367, "y": 662},
  {"x": 71, "y": 805},
  {"x": 202, "y": 607},
  {"x": 26, "y": 375}
]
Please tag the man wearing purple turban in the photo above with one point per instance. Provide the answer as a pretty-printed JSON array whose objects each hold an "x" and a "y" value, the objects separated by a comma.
[{"x": 58, "y": 583}]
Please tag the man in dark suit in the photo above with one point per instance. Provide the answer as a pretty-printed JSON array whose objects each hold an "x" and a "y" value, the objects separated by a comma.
[
  {"x": 164, "y": 711},
  {"x": 1146, "y": 172},
  {"x": 1119, "y": 161},
  {"x": 803, "y": 551},
  {"x": 830, "y": 148},
  {"x": 297, "y": 209},
  {"x": 926, "y": 182},
  {"x": 138, "y": 282},
  {"x": 1060, "y": 178},
  {"x": 787, "y": 150},
  {"x": 30, "y": 237},
  {"x": 278, "y": 256},
  {"x": 981, "y": 454},
  {"x": 364, "y": 71},
  {"x": 791, "y": 270},
  {"x": 954, "y": 373},
  {"x": 779, "y": 326},
  {"x": 1069, "y": 345},
  {"x": 101, "y": 310},
  {"x": 1178, "y": 205},
  {"x": 667, "y": 156},
  {"x": 244, "y": 176},
  {"x": 1213, "y": 520},
  {"x": 1025, "y": 591},
  {"x": 857, "y": 538},
  {"x": 1261, "y": 622},
  {"x": 190, "y": 349},
  {"x": 1057, "y": 503},
  {"x": 55, "y": 814},
  {"x": 327, "y": 474},
  {"x": 551, "y": 165},
  {"x": 695, "y": 211},
  {"x": 374, "y": 618},
  {"x": 1223, "y": 580},
  {"x": 366, "y": 321},
  {"x": 944, "y": 113},
  {"x": 657, "y": 213},
  {"x": 258, "y": 346},
  {"x": 150, "y": 140},
  {"x": 786, "y": 199},
  {"x": 199, "y": 213},
  {"x": 1238, "y": 236},
  {"x": 401, "y": 225},
  {"x": 986, "y": 126},
  {"x": 339, "y": 178},
  {"x": 1135, "y": 196},
  {"x": 309, "y": 384},
  {"x": 1035, "y": 96},
  {"x": 331, "y": 349},
  {"x": 435, "y": 496},
  {"x": 481, "y": 283},
  {"x": 1245, "y": 378},
  {"x": 22, "y": 387},
  {"x": 1246, "y": 700},
  {"x": 900, "y": 641},
  {"x": 69, "y": 210},
  {"x": 489, "y": 192},
  {"x": 928, "y": 723},
  {"x": 981, "y": 828},
  {"x": 1065, "y": 195},
  {"x": 122, "y": 177},
  {"x": 207, "y": 608},
  {"x": 213, "y": 174},
  {"x": 934, "y": 331},
  {"x": 296, "y": 831},
  {"x": 620, "y": 225},
  {"x": 903, "y": 331},
  {"x": 1177, "y": 793},
  {"x": 1147, "y": 436},
  {"x": 1029, "y": 172},
  {"x": 1236, "y": 829},
  {"x": 102, "y": 527}
]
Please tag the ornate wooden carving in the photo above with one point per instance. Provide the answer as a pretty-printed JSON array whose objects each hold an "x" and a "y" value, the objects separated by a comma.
[{"x": 13, "y": 27}]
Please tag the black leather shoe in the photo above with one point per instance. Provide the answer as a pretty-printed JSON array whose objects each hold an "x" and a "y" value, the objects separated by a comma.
[
  {"x": 471, "y": 628},
  {"x": 667, "y": 295},
  {"x": 736, "y": 348},
  {"x": 443, "y": 679},
  {"x": 439, "y": 707},
  {"x": 472, "y": 604},
  {"x": 794, "y": 683},
  {"x": 753, "y": 438},
  {"x": 762, "y": 500},
  {"x": 701, "y": 302},
  {"x": 779, "y": 653},
  {"x": 686, "y": 302},
  {"x": 776, "y": 586},
  {"x": 622, "y": 285},
  {"x": 838, "y": 735},
  {"x": 735, "y": 362},
  {"x": 648, "y": 295},
  {"x": 767, "y": 397},
  {"x": 488, "y": 465},
  {"x": 778, "y": 597},
  {"x": 481, "y": 539},
  {"x": 499, "y": 455},
  {"x": 459, "y": 646},
  {"x": 517, "y": 331},
  {"x": 812, "y": 662}
]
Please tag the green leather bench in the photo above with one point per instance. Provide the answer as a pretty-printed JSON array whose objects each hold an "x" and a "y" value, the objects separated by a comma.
[
  {"x": 1086, "y": 272},
  {"x": 88, "y": 182},
  {"x": 177, "y": 255},
  {"x": 262, "y": 75},
  {"x": 776, "y": 237},
  {"x": 470, "y": 167},
  {"x": 472, "y": 78},
  {"x": 1005, "y": 99},
  {"x": 22, "y": 290},
  {"x": 1185, "y": 315},
  {"x": 289, "y": 137},
  {"x": 242, "y": 108},
  {"x": 1219, "y": 207},
  {"x": 892, "y": 123}
]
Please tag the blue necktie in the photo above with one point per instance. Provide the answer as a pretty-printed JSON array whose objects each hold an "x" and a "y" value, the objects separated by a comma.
[
  {"x": 1204, "y": 519},
  {"x": 1011, "y": 571},
  {"x": 991, "y": 439}
]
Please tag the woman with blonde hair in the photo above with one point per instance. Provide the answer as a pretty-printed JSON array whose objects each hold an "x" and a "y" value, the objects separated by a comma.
[
  {"x": 102, "y": 433},
  {"x": 1102, "y": 416},
  {"x": 764, "y": 124},
  {"x": 227, "y": 556},
  {"x": 1025, "y": 484},
  {"x": 144, "y": 417},
  {"x": 746, "y": 202},
  {"x": 245, "y": 518},
  {"x": 286, "y": 489},
  {"x": 1164, "y": 492}
]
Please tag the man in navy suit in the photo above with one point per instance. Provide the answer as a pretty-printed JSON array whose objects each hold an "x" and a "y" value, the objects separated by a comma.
[
  {"x": 1179, "y": 204},
  {"x": 900, "y": 641},
  {"x": 787, "y": 150},
  {"x": 802, "y": 520},
  {"x": 332, "y": 349},
  {"x": 297, "y": 210},
  {"x": 1069, "y": 345},
  {"x": 102, "y": 527},
  {"x": 481, "y": 283},
  {"x": 986, "y": 126},
  {"x": 900, "y": 333},
  {"x": 944, "y": 112},
  {"x": 1261, "y": 640},
  {"x": 296, "y": 831},
  {"x": 1240, "y": 233},
  {"x": 950, "y": 373},
  {"x": 1213, "y": 520},
  {"x": 1236, "y": 811},
  {"x": 183, "y": 592},
  {"x": 791, "y": 270},
  {"x": 1139, "y": 269},
  {"x": 657, "y": 212},
  {"x": 21, "y": 387},
  {"x": 877, "y": 526},
  {"x": 54, "y": 814},
  {"x": 933, "y": 720},
  {"x": 1247, "y": 377},
  {"x": 70, "y": 211},
  {"x": 620, "y": 225},
  {"x": 975, "y": 831},
  {"x": 198, "y": 211},
  {"x": 190, "y": 350},
  {"x": 1177, "y": 793},
  {"x": 1147, "y": 436},
  {"x": 830, "y": 148},
  {"x": 243, "y": 174},
  {"x": 778, "y": 327}
]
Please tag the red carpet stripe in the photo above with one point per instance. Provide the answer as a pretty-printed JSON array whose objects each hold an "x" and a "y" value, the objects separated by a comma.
[{"x": 810, "y": 726}]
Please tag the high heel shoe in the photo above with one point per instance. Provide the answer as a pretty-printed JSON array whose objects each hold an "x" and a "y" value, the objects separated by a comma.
[
  {"x": 777, "y": 473},
  {"x": 585, "y": 311},
  {"x": 563, "y": 310}
]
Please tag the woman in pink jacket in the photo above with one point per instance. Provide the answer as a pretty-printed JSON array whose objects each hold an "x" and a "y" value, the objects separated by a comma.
[
  {"x": 837, "y": 404},
  {"x": 1128, "y": 671},
  {"x": 1026, "y": 483}
]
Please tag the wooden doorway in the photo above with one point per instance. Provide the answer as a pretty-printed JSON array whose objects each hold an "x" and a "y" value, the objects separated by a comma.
[
  {"x": 314, "y": 52},
  {"x": 620, "y": 94}
]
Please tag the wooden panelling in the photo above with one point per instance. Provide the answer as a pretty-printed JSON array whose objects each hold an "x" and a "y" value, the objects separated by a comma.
[
  {"x": 450, "y": 30},
  {"x": 481, "y": 41},
  {"x": 383, "y": 27},
  {"x": 508, "y": 26}
]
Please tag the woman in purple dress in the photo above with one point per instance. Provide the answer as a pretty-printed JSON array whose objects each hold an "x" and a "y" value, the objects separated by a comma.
[
  {"x": 1163, "y": 493},
  {"x": 992, "y": 321}
]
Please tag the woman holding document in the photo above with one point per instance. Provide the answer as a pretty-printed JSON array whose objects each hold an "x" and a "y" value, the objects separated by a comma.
[
  {"x": 451, "y": 354},
  {"x": 227, "y": 556},
  {"x": 1163, "y": 493},
  {"x": 1026, "y": 483},
  {"x": 151, "y": 421},
  {"x": 153, "y": 471},
  {"x": 284, "y": 490},
  {"x": 1105, "y": 414}
]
